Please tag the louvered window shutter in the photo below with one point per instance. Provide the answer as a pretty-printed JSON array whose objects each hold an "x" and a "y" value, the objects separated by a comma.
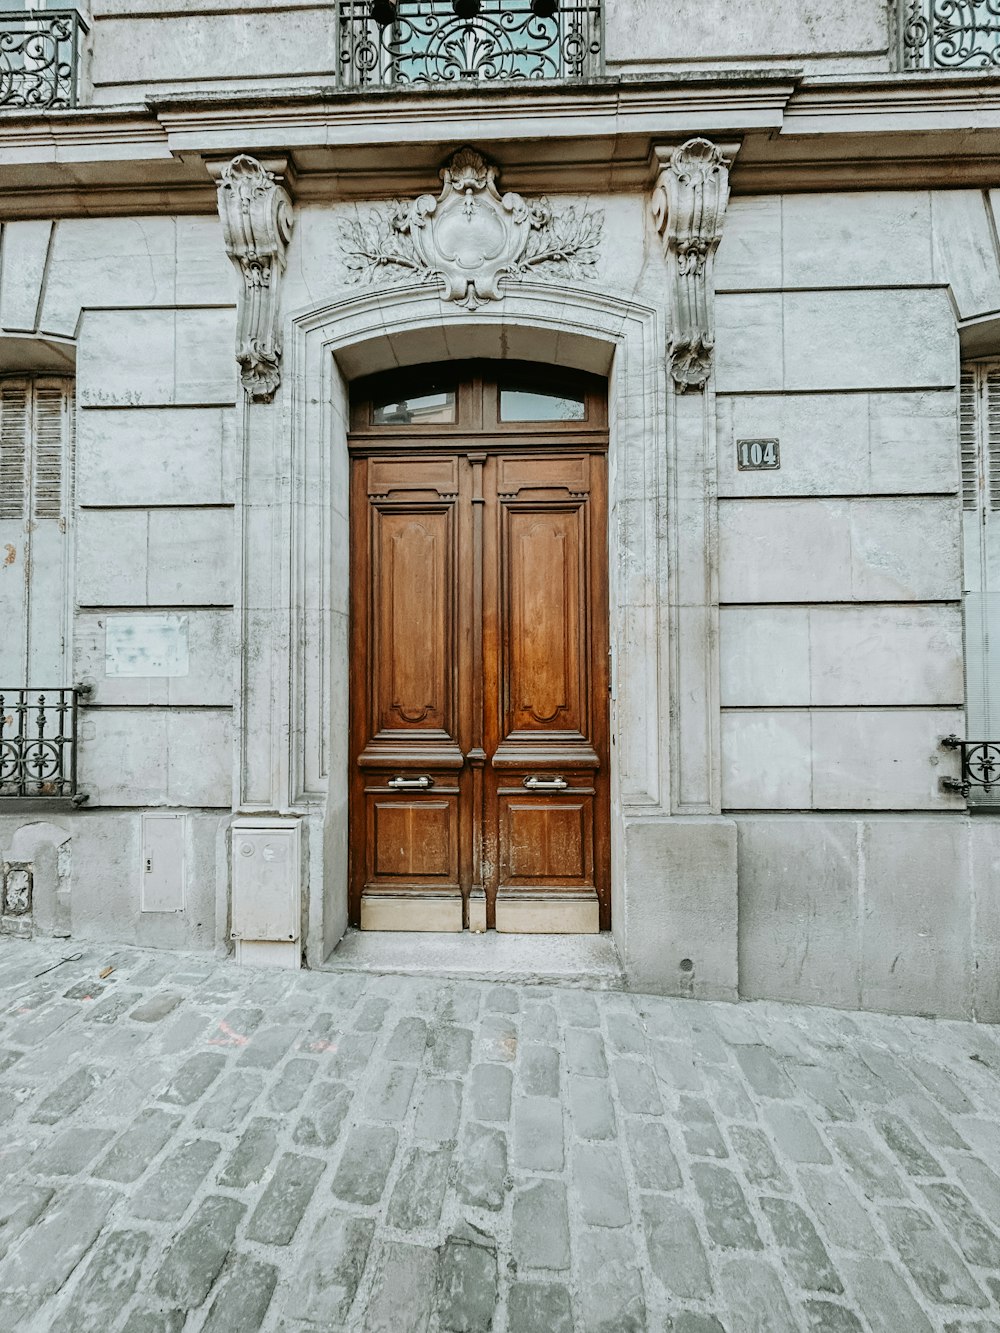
[
  {"x": 36, "y": 448},
  {"x": 51, "y": 448},
  {"x": 991, "y": 436},
  {"x": 15, "y": 429}
]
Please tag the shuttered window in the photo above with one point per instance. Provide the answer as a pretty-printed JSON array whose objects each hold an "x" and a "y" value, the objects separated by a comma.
[
  {"x": 36, "y": 448},
  {"x": 979, "y": 420},
  {"x": 979, "y": 435},
  {"x": 14, "y": 431},
  {"x": 36, "y": 500}
]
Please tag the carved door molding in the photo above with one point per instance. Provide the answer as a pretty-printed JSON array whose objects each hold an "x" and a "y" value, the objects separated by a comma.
[{"x": 479, "y": 652}]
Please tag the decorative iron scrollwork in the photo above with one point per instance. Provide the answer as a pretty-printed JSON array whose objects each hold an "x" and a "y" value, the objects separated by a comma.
[
  {"x": 980, "y": 765},
  {"x": 38, "y": 741},
  {"x": 947, "y": 34},
  {"x": 40, "y": 58},
  {"x": 427, "y": 41}
]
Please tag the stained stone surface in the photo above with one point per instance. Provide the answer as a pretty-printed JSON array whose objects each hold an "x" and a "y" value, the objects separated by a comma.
[{"x": 234, "y": 1149}]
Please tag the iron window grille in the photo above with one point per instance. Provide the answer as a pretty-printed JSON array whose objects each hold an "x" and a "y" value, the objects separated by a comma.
[
  {"x": 946, "y": 34},
  {"x": 38, "y": 743},
  {"x": 428, "y": 42},
  {"x": 980, "y": 765},
  {"x": 40, "y": 53}
]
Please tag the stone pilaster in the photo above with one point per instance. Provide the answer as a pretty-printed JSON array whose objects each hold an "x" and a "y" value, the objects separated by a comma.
[{"x": 688, "y": 204}]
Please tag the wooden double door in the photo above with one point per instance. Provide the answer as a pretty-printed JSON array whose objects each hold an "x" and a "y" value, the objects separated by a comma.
[{"x": 479, "y": 653}]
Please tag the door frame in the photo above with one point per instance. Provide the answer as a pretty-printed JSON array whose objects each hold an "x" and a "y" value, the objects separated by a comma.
[{"x": 477, "y": 434}]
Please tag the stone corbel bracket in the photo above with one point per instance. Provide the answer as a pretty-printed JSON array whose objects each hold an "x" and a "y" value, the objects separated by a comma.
[
  {"x": 688, "y": 206},
  {"x": 256, "y": 213}
]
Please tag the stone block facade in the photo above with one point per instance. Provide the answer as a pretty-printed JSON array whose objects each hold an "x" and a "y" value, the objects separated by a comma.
[{"x": 789, "y": 645}]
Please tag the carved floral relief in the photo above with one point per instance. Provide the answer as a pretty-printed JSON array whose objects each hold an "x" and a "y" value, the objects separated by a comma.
[{"x": 470, "y": 236}]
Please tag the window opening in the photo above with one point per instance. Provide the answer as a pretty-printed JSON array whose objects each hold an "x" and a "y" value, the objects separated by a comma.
[
  {"x": 535, "y": 405},
  {"x": 979, "y": 435},
  {"x": 426, "y": 409},
  {"x": 36, "y": 481}
]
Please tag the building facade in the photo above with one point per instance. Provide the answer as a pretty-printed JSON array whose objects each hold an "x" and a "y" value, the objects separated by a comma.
[{"x": 507, "y": 465}]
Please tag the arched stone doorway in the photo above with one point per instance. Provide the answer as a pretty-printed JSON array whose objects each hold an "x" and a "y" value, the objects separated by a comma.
[{"x": 663, "y": 768}]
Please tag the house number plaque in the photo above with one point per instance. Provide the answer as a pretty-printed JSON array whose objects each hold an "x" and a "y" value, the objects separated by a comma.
[{"x": 757, "y": 455}]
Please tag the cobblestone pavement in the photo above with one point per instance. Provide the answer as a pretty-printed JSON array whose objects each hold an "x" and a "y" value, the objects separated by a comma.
[{"x": 188, "y": 1145}]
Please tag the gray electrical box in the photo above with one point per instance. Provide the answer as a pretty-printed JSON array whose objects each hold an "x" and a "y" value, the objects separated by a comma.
[
  {"x": 267, "y": 892},
  {"x": 162, "y": 872}
]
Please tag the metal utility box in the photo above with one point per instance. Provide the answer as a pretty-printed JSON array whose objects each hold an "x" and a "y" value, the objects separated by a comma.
[
  {"x": 161, "y": 883},
  {"x": 267, "y": 891}
]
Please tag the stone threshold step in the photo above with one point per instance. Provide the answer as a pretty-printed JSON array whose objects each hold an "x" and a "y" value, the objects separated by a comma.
[{"x": 589, "y": 961}]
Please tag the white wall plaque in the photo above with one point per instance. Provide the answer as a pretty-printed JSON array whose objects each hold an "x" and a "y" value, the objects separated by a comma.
[{"x": 146, "y": 645}]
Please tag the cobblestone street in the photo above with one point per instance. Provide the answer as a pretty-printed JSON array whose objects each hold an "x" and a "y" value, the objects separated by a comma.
[{"x": 188, "y": 1145}]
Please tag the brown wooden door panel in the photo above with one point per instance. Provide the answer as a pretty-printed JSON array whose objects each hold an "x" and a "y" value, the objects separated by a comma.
[
  {"x": 543, "y": 474},
  {"x": 545, "y": 841},
  {"x": 406, "y": 478},
  {"x": 412, "y": 646},
  {"x": 415, "y": 842},
  {"x": 543, "y": 573},
  {"x": 479, "y": 672}
]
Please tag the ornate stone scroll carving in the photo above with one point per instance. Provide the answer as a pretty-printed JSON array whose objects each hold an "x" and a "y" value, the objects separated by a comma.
[
  {"x": 689, "y": 203},
  {"x": 256, "y": 215},
  {"x": 470, "y": 236}
]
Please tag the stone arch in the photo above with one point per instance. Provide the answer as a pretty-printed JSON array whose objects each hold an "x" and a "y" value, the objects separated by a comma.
[{"x": 34, "y": 354}]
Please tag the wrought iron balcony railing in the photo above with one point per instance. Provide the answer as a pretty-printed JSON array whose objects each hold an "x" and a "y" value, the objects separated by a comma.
[
  {"x": 489, "y": 41},
  {"x": 40, "y": 58},
  {"x": 947, "y": 34},
  {"x": 38, "y": 741},
  {"x": 980, "y": 766}
]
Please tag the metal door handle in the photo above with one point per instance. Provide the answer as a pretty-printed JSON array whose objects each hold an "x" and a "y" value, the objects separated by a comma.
[
  {"x": 412, "y": 784},
  {"x": 545, "y": 784}
]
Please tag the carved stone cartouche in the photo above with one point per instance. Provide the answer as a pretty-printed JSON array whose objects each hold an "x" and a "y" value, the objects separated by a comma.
[
  {"x": 16, "y": 884},
  {"x": 688, "y": 206},
  {"x": 470, "y": 236},
  {"x": 256, "y": 215}
]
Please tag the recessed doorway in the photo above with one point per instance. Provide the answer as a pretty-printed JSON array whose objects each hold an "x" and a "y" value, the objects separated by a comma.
[{"x": 479, "y": 650}]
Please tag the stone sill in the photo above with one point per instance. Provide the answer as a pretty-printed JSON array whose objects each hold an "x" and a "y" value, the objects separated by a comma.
[
  {"x": 587, "y": 961},
  {"x": 18, "y": 805}
]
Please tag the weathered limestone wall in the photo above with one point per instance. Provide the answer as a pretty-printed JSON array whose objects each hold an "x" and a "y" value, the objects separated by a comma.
[
  {"x": 840, "y": 574},
  {"x": 887, "y": 912},
  {"x": 142, "y": 47},
  {"x": 147, "y": 307},
  {"x": 803, "y": 34},
  {"x": 840, "y": 587}
]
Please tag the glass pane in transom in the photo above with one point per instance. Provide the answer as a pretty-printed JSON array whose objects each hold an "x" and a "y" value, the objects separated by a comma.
[
  {"x": 533, "y": 405},
  {"x": 427, "y": 409}
]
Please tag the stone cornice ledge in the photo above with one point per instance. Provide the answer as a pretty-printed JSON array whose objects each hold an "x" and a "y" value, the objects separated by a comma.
[
  {"x": 603, "y": 108},
  {"x": 827, "y": 132},
  {"x": 886, "y": 103}
]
